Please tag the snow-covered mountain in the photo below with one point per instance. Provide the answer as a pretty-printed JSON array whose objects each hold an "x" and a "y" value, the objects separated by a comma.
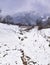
[
  {"x": 30, "y": 18},
  {"x": 19, "y": 47}
]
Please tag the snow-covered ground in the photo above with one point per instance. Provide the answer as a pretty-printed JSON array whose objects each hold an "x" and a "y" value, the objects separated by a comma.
[{"x": 18, "y": 47}]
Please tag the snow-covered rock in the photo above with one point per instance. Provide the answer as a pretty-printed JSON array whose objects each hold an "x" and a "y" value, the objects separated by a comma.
[{"x": 18, "y": 47}]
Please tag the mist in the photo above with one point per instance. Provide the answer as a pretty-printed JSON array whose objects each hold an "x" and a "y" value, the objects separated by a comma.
[{"x": 14, "y": 6}]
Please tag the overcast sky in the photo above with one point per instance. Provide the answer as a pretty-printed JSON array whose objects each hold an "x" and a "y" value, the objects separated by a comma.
[{"x": 13, "y": 6}]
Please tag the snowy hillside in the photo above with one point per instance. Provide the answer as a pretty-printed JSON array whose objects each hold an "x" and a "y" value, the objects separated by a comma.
[{"x": 18, "y": 47}]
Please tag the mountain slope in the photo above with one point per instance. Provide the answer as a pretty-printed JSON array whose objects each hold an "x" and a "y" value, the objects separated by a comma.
[
  {"x": 26, "y": 18},
  {"x": 18, "y": 47}
]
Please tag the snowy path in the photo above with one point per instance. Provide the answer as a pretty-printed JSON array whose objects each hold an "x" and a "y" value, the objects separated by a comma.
[{"x": 19, "y": 47}]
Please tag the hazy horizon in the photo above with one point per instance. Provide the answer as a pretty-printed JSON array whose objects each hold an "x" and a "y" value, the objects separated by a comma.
[{"x": 14, "y": 6}]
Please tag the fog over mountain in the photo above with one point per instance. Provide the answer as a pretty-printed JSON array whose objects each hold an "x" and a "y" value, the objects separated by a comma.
[
  {"x": 14, "y": 6},
  {"x": 25, "y": 12}
]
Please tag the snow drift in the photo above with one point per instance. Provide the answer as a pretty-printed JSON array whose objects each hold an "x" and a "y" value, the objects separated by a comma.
[{"x": 18, "y": 47}]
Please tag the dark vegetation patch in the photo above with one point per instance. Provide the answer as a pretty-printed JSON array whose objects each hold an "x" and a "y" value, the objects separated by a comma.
[
  {"x": 26, "y": 59},
  {"x": 22, "y": 39},
  {"x": 49, "y": 37},
  {"x": 7, "y": 49},
  {"x": 15, "y": 62},
  {"x": 19, "y": 37},
  {"x": 32, "y": 62},
  {"x": 40, "y": 27},
  {"x": 35, "y": 40},
  {"x": 49, "y": 45},
  {"x": 5, "y": 44},
  {"x": 0, "y": 46},
  {"x": 25, "y": 37},
  {"x": 21, "y": 33},
  {"x": 5, "y": 54},
  {"x": 47, "y": 40}
]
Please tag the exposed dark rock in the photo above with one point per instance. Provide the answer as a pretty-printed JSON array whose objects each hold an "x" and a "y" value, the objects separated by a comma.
[
  {"x": 22, "y": 39},
  {"x": 49, "y": 45}
]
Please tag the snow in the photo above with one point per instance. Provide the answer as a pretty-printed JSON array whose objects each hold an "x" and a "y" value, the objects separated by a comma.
[{"x": 16, "y": 44}]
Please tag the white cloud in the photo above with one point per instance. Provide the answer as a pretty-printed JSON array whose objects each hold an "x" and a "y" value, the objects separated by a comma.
[{"x": 10, "y": 6}]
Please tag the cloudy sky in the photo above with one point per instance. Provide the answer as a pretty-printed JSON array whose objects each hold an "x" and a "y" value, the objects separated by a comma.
[{"x": 13, "y": 6}]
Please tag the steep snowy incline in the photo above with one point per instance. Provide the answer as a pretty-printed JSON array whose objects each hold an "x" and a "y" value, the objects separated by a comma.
[{"x": 18, "y": 47}]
